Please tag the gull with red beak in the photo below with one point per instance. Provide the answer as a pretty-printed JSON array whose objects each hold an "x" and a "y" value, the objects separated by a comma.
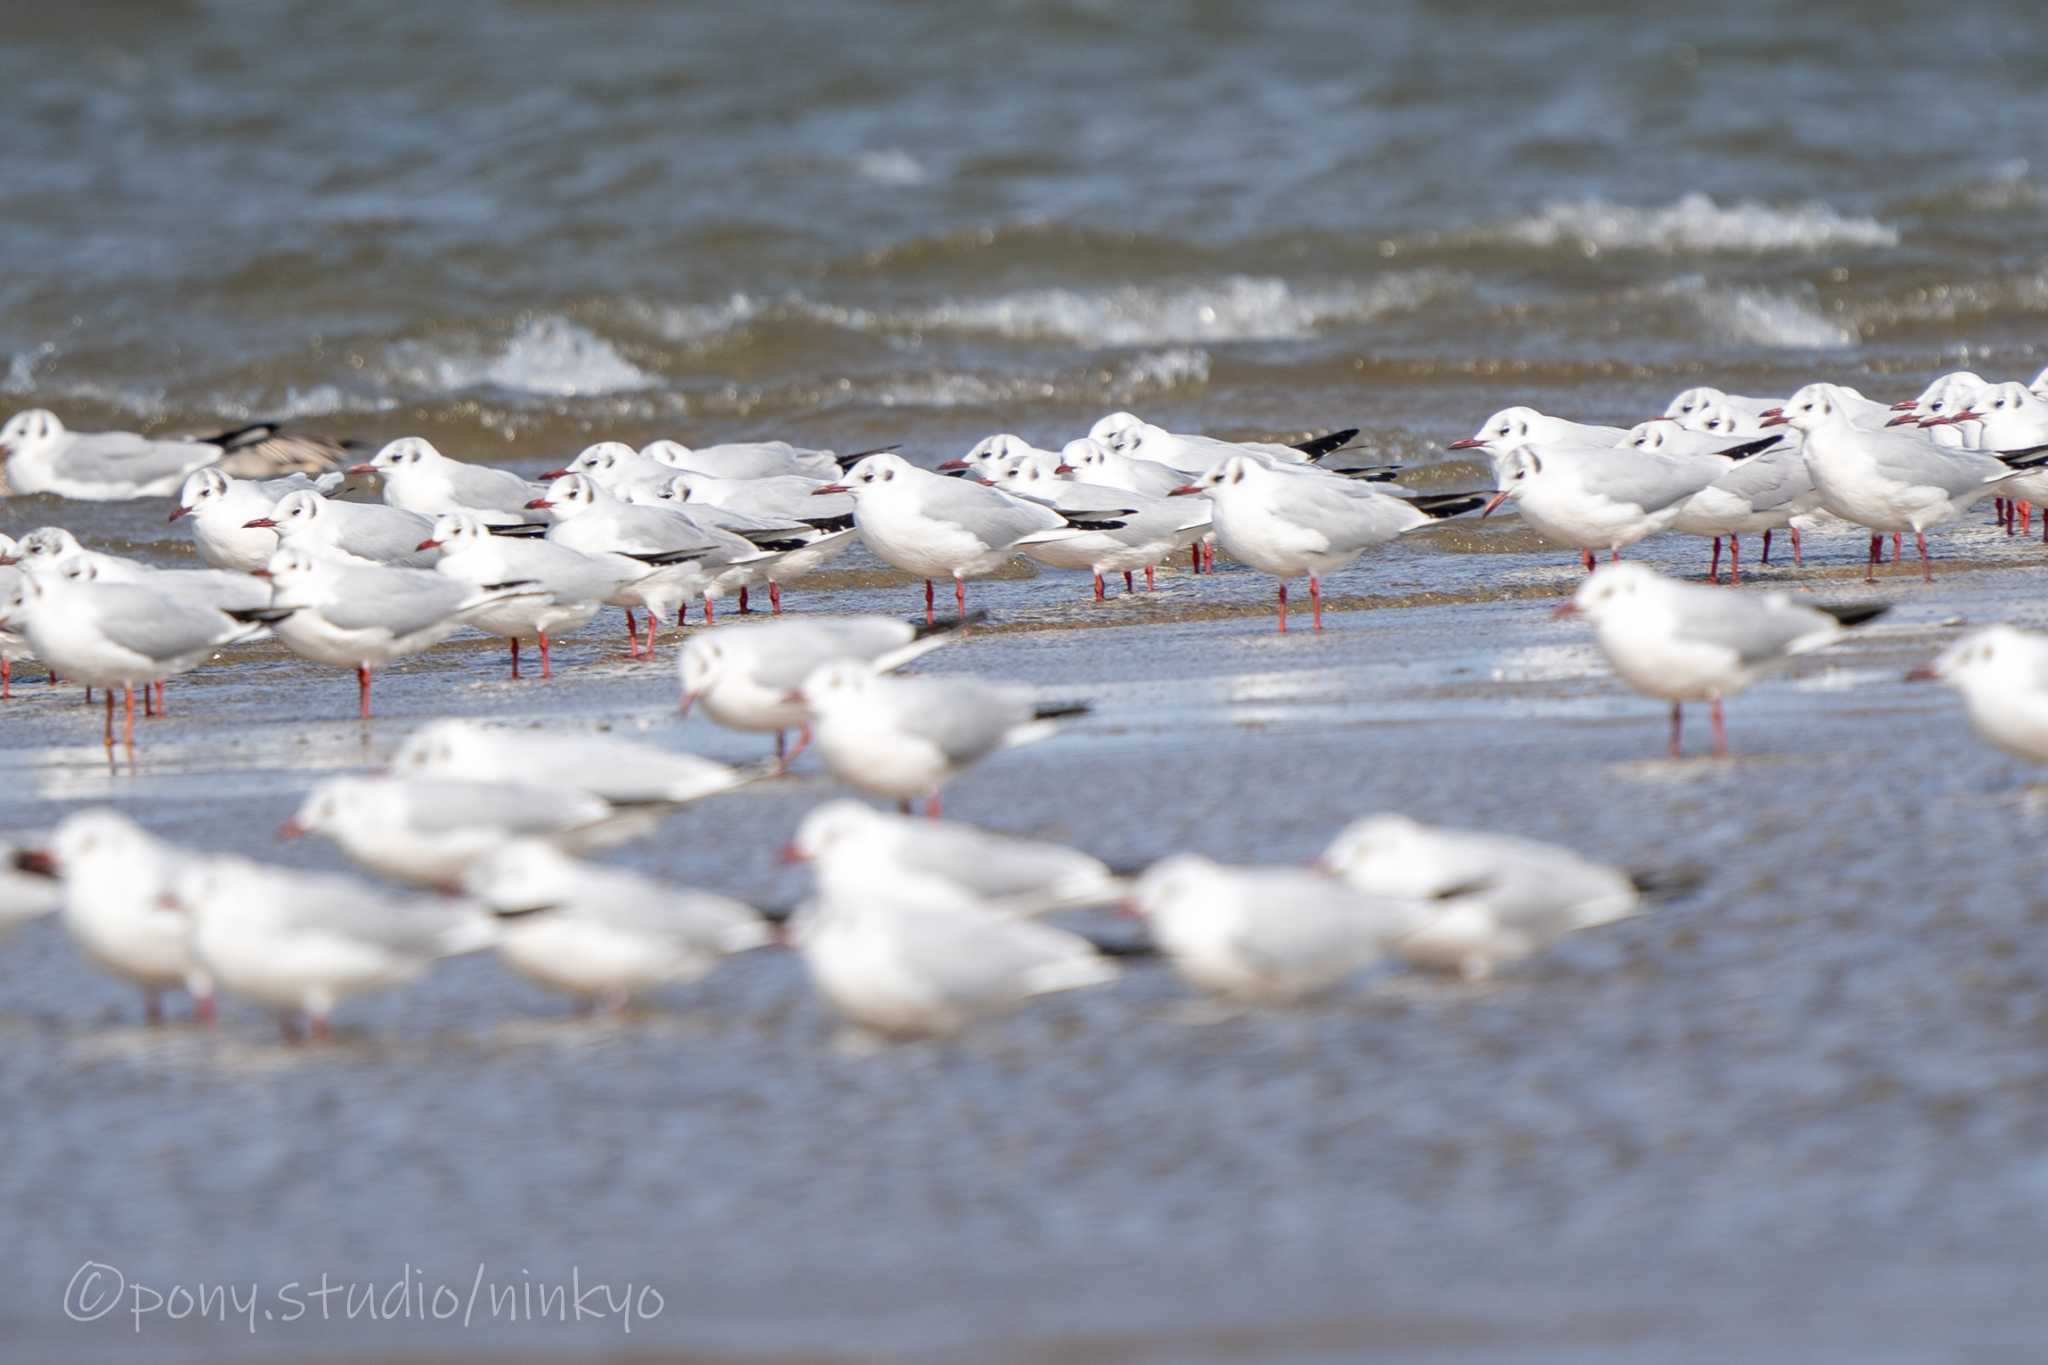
[
  {"x": 124, "y": 635},
  {"x": 935, "y": 527},
  {"x": 301, "y": 943},
  {"x": 823, "y": 521},
  {"x": 615, "y": 467},
  {"x": 419, "y": 479},
  {"x": 363, "y": 616},
  {"x": 42, "y": 456},
  {"x": 746, "y": 674},
  {"x": 1685, "y": 642},
  {"x": 1002, "y": 447},
  {"x": 1526, "y": 428},
  {"x": 14, "y": 646},
  {"x": 905, "y": 738},
  {"x": 696, "y": 557},
  {"x": 1602, "y": 497},
  {"x": 2002, "y": 673},
  {"x": 364, "y": 531},
  {"x": 1288, "y": 523},
  {"x": 114, "y": 876},
  {"x": 1691, "y": 404},
  {"x": 216, "y": 510},
  {"x": 572, "y": 585},
  {"x": 1891, "y": 481},
  {"x": 1765, "y": 489}
]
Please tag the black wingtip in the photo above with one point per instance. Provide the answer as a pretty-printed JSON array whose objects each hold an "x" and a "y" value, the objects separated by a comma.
[
  {"x": 260, "y": 616},
  {"x": 777, "y": 544},
  {"x": 848, "y": 461},
  {"x": 1123, "y": 947},
  {"x": 1667, "y": 883},
  {"x": 2024, "y": 459},
  {"x": 658, "y": 557},
  {"x": 1440, "y": 505},
  {"x": 519, "y": 529},
  {"x": 776, "y": 914},
  {"x": 844, "y": 523},
  {"x": 510, "y": 584},
  {"x": 1854, "y": 613},
  {"x": 1091, "y": 524},
  {"x": 921, "y": 630},
  {"x": 1315, "y": 447},
  {"x": 1371, "y": 473},
  {"x": 1749, "y": 448},
  {"x": 1060, "y": 710},
  {"x": 237, "y": 437}
]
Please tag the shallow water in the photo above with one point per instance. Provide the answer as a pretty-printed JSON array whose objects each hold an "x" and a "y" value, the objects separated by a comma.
[{"x": 1798, "y": 1112}]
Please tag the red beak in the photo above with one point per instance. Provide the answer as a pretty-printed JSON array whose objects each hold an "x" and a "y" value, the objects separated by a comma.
[
  {"x": 259, "y": 573},
  {"x": 1773, "y": 412},
  {"x": 540, "y": 502},
  {"x": 788, "y": 854},
  {"x": 1185, "y": 490},
  {"x": 1062, "y": 468},
  {"x": 822, "y": 489},
  {"x": 1468, "y": 443},
  {"x": 1905, "y": 405},
  {"x": 554, "y": 473},
  {"x": 265, "y": 522},
  {"x": 36, "y": 861},
  {"x": 1493, "y": 502},
  {"x": 180, "y": 510},
  {"x": 362, "y": 469},
  {"x": 1966, "y": 415},
  {"x": 1908, "y": 417},
  {"x": 1565, "y": 610},
  {"x": 1924, "y": 673},
  {"x": 291, "y": 829},
  {"x": 793, "y": 698},
  {"x": 428, "y": 544},
  {"x": 1775, "y": 418},
  {"x": 951, "y": 464}
]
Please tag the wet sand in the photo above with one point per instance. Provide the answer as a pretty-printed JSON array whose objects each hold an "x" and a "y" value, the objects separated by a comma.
[{"x": 1799, "y": 1111}]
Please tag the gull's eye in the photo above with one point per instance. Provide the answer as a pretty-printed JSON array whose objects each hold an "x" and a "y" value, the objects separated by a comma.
[{"x": 1505, "y": 429}]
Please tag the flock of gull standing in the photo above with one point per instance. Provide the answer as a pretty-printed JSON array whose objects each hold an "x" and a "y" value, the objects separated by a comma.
[{"x": 915, "y": 926}]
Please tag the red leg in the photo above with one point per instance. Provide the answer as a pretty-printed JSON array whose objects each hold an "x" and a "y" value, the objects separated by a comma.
[
  {"x": 1720, "y": 731},
  {"x": 929, "y": 617},
  {"x": 1614, "y": 555},
  {"x": 1677, "y": 715},
  {"x": 1208, "y": 558},
  {"x": 148, "y": 701},
  {"x": 127, "y": 715},
  {"x": 363, "y": 688},
  {"x": 960, "y": 595},
  {"x": 1735, "y": 560},
  {"x": 1315, "y": 597},
  {"x": 546, "y": 668},
  {"x": 1129, "y": 586},
  {"x": 205, "y": 1009},
  {"x": 654, "y": 624},
  {"x": 1876, "y": 558},
  {"x": 515, "y": 656},
  {"x": 1714, "y": 565},
  {"x": 1195, "y": 556},
  {"x": 153, "y": 1007},
  {"x": 6, "y": 680},
  {"x": 1587, "y": 556},
  {"x": 1767, "y": 546},
  {"x": 1926, "y": 565},
  {"x": 803, "y": 741},
  {"x": 1148, "y": 578},
  {"x": 1098, "y": 587},
  {"x": 2026, "y": 515},
  {"x": 931, "y": 807},
  {"x": 161, "y": 710},
  {"x": 320, "y": 1031},
  {"x": 1898, "y": 547},
  {"x": 1283, "y": 606},
  {"x": 1798, "y": 555},
  {"x": 710, "y": 614},
  {"x": 775, "y": 596},
  {"x": 744, "y": 608},
  {"x": 632, "y": 633},
  {"x": 110, "y": 718}
]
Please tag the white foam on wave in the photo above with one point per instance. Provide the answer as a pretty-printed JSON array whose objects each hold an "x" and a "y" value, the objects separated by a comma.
[
  {"x": 1234, "y": 308},
  {"x": 891, "y": 166},
  {"x": 1697, "y": 223},
  {"x": 1148, "y": 372},
  {"x": 1762, "y": 318},
  {"x": 547, "y": 356}
]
